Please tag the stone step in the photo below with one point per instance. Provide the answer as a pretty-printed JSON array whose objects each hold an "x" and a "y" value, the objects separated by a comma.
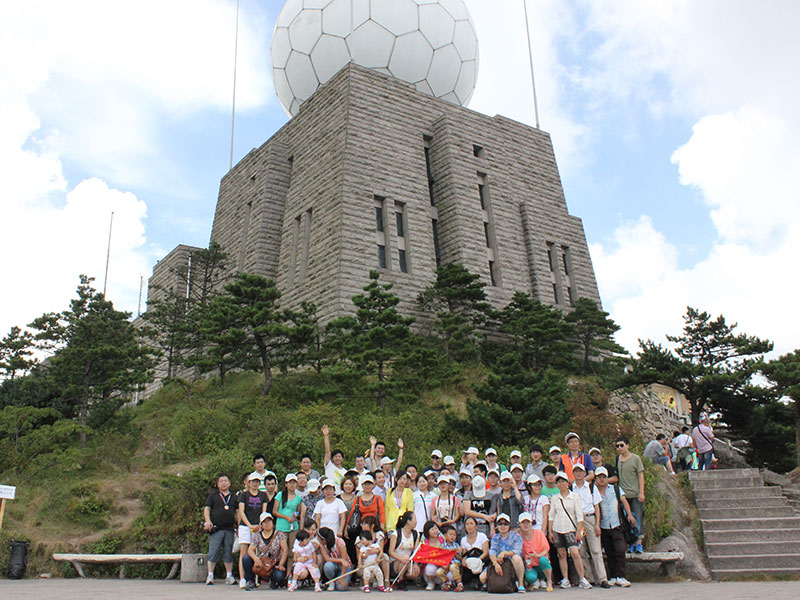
[
  {"x": 748, "y": 561},
  {"x": 748, "y": 535},
  {"x": 766, "y": 503},
  {"x": 723, "y": 473},
  {"x": 715, "y": 483},
  {"x": 762, "y": 491},
  {"x": 759, "y": 545},
  {"x": 760, "y": 523},
  {"x": 739, "y": 574},
  {"x": 740, "y": 513}
]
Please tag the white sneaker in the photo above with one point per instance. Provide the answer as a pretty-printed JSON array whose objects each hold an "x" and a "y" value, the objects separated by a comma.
[
  {"x": 612, "y": 581},
  {"x": 230, "y": 580},
  {"x": 536, "y": 584},
  {"x": 622, "y": 582},
  {"x": 429, "y": 587},
  {"x": 584, "y": 584},
  {"x": 292, "y": 586},
  {"x": 332, "y": 586},
  {"x": 565, "y": 584},
  {"x": 210, "y": 579},
  {"x": 242, "y": 583}
]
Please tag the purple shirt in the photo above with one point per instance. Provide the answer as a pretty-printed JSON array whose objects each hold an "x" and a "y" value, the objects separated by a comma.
[{"x": 703, "y": 436}]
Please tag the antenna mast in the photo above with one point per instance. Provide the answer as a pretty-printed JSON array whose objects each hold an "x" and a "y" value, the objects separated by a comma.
[
  {"x": 108, "y": 254},
  {"x": 530, "y": 57},
  {"x": 235, "y": 60}
]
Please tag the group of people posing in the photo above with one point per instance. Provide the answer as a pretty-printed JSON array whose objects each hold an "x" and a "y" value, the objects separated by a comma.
[{"x": 454, "y": 525}]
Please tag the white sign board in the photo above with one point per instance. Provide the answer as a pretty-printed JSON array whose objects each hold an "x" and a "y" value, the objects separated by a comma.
[{"x": 7, "y": 492}]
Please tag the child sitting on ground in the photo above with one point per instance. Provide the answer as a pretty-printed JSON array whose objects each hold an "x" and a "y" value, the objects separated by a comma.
[
  {"x": 454, "y": 569},
  {"x": 368, "y": 557},
  {"x": 305, "y": 561}
]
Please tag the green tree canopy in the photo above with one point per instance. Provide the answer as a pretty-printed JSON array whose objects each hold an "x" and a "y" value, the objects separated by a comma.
[
  {"x": 15, "y": 352},
  {"x": 594, "y": 331},
  {"x": 784, "y": 372},
  {"x": 709, "y": 364},
  {"x": 540, "y": 333},
  {"x": 375, "y": 336},
  {"x": 97, "y": 356},
  {"x": 459, "y": 302}
]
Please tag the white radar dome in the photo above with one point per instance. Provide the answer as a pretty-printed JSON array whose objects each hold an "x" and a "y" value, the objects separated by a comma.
[{"x": 429, "y": 43}]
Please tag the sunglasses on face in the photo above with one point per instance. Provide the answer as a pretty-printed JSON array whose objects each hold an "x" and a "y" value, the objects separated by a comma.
[{"x": 620, "y": 445}]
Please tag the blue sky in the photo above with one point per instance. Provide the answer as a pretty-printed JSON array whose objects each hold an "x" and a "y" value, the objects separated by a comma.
[{"x": 674, "y": 123}]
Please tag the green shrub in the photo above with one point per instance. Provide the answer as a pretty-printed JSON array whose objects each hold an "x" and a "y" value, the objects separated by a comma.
[{"x": 658, "y": 521}]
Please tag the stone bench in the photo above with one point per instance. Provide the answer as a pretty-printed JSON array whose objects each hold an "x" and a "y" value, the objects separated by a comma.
[
  {"x": 668, "y": 560},
  {"x": 78, "y": 560}
]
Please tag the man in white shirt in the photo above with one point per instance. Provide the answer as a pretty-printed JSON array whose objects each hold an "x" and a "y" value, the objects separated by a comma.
[{"x": 590, "y": 503}]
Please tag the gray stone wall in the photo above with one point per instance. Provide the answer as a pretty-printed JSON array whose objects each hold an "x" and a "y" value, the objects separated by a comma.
[
  {"x": 652, "y": 415},
  {"x": 300, "y": 208}
]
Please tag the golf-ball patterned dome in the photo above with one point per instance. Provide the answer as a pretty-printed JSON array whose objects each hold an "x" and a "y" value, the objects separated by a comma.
[{"x": 429, "y": 43}]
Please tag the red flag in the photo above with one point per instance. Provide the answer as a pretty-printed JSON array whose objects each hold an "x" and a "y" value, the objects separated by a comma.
[{"x": 434, "y": 556}]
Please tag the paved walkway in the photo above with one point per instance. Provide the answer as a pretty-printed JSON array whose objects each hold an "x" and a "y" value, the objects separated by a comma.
[{"x": 132, "y": 589}]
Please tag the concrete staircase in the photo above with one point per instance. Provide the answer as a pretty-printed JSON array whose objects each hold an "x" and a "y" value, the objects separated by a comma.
[{"x": 749, "y": 528}]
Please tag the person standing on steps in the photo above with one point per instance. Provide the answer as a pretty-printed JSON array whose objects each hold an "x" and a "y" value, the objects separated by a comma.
[
  {"x": 220, "y": 523},
  {"x": 631, "y": 481},
  {"x": 703, "y": 438}
]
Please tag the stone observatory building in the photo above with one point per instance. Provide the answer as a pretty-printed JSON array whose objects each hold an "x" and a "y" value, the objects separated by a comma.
[{"x": 381, "y": 167}]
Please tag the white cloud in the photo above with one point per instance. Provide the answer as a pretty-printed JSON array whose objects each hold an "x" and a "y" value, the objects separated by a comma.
[{"x": 96, "y": 85}]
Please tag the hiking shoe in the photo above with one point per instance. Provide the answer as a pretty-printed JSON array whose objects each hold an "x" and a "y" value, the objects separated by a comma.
[
  {"x": 536, "y": 584},
  {"x": 317, "y": 587},
  {"x": 429, "y": 587},
  {"x": 565, "y": 584},
  {"x": 242, "y": 583},
  {"x": 210, "y": 579},
  {"x": 520, "y": 588},
  {"x": 332, "y": 586},
  {"x": 638, "y": 549},
  {"x": 459, "y": 587},
  {"x": 605, "y": 584},
  {"x": 384, "y": 589},
  {"x": 366, "y": 589},
  {"x": 622, "y": 582},
  {"x": 584, "y": 584},
  {"x": 447, "y": 586},
  {"x": 249, "y": 586},
  {"x": 230, "y": 580},
  {"x": 292, "y": 586}
]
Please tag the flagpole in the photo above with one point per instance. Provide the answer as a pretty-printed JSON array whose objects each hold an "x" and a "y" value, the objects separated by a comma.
[
  {"x": 235, "y": 60},
  {"x": 108, "y": 253},
  {"x": 530, "y": 58}
]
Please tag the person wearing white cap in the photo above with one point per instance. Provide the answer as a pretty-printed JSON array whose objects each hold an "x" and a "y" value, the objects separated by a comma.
[
  {"x": 286, "y": 510},
  {"x": 574, "y": 456},
  {"x": 555, "y": 455},
  {"x": 517, "y": 470},
  {"x": 515, "y": 458},
  {"x": 468, "y": 458},
  {"x": 464, "y": 482},
  {"x": 508, "y": 501},
  {"x": 436, "y": 462},
  {"x": 504, "y": 548},
  {"x": 535, "y": 549},
  {"x": 590, "y": 503},
  {"x": 330, "y": 512},
  {"x": 491, "y": 461},
  {"x": 612, "y": 537},
  {"x": 310, "y": 499},
  {"x": 538, "y": 504},
  {"x": 597, "y": 459},
  {"x": 492, "y": 482},
  {"x": 251, "y": 504},
  {"x": 446, "y": 507},
  {"x": 449, "y": 463},
  {"x": 476, "y": 504},
  {"x": 566, "y": 529},
  {"x": 266, "y": 545}
]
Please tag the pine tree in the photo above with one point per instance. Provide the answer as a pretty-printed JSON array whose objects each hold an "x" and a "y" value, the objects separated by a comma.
[
  {"x": 540, "y": 333},
  {"x": 97, "y": 356},
  {"x": 15, "y": 352},
  {"x": 593, "y": 330},
  {"x": 375, "y": 336},
  {"x": 459, "y": 302},
  {"x": 784, "y": 372}
]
